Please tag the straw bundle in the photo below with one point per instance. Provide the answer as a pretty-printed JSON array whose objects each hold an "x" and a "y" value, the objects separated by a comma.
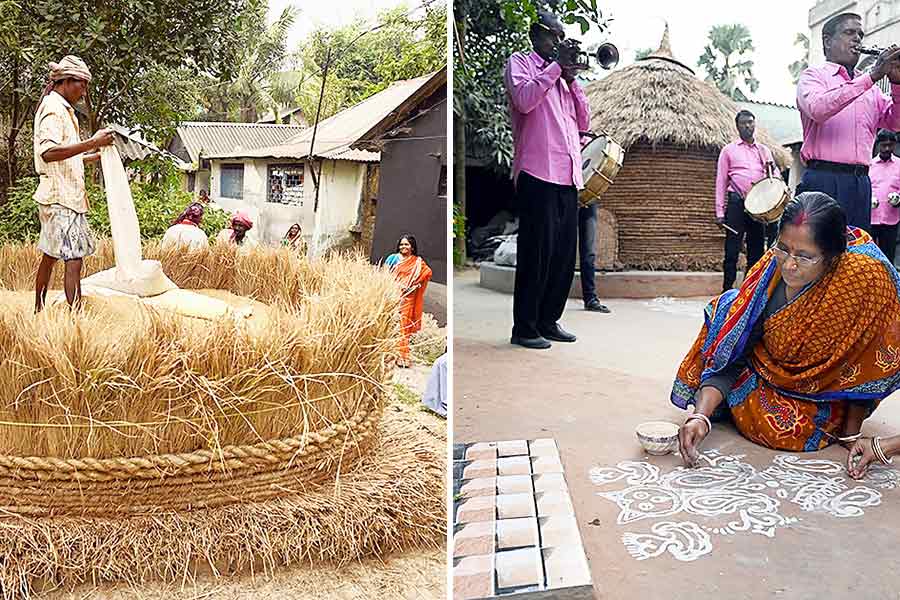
[{"x": 117, "y": 380}]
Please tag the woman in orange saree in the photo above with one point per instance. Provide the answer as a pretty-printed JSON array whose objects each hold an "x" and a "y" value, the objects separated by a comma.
[
  {"x": 806, "y": 348},
  {"x": 413, "y": 275}
]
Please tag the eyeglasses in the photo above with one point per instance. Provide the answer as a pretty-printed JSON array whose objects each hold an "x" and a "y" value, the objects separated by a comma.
[{"x": 803, "y": 262}]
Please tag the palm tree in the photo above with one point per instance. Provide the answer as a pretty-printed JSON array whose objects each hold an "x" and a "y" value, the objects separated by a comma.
[
  {"x": 251, "y": 91},
  {"x": 728, "y": 45},
  {"x": 798, "y": 66}
]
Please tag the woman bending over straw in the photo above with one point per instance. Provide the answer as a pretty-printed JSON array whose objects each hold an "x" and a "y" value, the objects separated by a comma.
[
  {"x": 413, "y": 275},
  {"x": 185, "y": 229},
  {"x": 806, "y": 348}
]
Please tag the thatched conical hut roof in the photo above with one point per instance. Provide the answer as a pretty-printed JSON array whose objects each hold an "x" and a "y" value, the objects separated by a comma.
[{"x": 660, "y": 100}]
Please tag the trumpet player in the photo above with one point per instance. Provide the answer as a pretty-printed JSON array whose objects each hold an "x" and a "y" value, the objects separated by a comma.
[
  {"x": 547, "y": 109},
  {"x": 840, "y": 111},
  {"x": 884, "y": 171}
]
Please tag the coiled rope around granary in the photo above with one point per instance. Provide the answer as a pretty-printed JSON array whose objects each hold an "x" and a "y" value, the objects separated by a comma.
[{"x": 51, "y": 486}]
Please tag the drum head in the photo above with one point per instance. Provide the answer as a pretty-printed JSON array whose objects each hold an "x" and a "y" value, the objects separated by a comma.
[
  {"x": 764, "y": 196},
  {"x": 592, "y": 153}
]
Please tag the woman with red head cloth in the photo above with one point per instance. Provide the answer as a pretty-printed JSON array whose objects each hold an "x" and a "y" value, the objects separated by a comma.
[
  {"x": 240, "y": 225},
  {"x": 185, "y": 229}
]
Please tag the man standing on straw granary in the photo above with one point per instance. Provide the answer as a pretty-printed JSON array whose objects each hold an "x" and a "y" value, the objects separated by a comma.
[{"x": 59, "y": 157}]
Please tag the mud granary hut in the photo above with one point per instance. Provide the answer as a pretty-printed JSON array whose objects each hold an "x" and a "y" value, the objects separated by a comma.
[{"x": 659, "y": 212}]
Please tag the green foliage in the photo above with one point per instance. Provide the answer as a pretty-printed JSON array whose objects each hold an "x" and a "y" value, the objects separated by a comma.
[
  {"x": 124, "y": 42},
  {"x": 364, "y": 62},
  {"x": 728, "y": 44},
  {"x": 156, "y": 203},
  {"x": 642, "y": 53},
  {"x": 519, "y": 14},
  {"x": 798, "y": 66},
  {"x": 487, "y": 33},
  {"x": 459, "y": 232},
  {"x": 252, "y": 89},
  {"x": 145, "y": 57}
]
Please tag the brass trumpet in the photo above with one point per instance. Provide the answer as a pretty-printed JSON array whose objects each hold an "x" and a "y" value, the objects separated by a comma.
[{"x": 607, "y": 55}]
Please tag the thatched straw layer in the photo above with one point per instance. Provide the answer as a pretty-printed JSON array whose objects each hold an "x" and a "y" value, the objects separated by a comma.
[
  {"x": 117, "y": 380},
  {"x": 392, "y": 500},
  {"x": 660, "y": 101}
]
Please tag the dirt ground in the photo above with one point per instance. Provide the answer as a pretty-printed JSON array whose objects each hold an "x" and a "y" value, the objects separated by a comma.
[{"x": 590, "y": 395}]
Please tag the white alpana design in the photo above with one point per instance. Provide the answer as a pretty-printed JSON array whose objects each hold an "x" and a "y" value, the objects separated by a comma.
[{"x": 729, "y": 496}]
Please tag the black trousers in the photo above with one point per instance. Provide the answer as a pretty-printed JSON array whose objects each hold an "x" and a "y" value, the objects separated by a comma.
[
  {"x": 545, "y": 255},
  {"x": 754, "y": 232},
  {"x": 587, "y": 250},
  {"x": 886, "y": 238},
  {"x": 852, "y": 192}
]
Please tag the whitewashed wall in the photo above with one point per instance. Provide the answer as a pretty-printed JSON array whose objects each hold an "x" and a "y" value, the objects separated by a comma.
[{"x": 341, "y": 188}]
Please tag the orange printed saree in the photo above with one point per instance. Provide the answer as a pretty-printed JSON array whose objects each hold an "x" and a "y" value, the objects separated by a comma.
[
  {"x": 836, "y": 342},
  {"x": 413, "y": 275}
]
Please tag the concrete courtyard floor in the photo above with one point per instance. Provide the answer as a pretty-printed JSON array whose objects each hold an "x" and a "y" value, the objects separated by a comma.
[{"x": 590, "y": 395}]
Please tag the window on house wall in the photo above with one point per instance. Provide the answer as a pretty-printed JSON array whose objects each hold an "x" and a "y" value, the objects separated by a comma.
[
  {"x": 285, "y": 185},
  {"x": 233, "y": 180},
  {"x": 442, "y": 182},
  {"x": 191, "y": 181}
]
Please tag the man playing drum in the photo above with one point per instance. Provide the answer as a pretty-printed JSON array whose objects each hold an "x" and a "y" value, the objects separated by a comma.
[
  {"x": 547, "y": 109},
  {"x": 741, "y": 164},
  {"x": 840, "y": 112},
  {"x": 884, "y": 171}
]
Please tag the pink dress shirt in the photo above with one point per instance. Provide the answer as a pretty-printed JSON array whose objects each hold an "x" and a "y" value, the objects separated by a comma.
[
  {"x": 840, "y": 115},
  {"x": 740, "y": 166},
  {"x": 885, "y": 176},
  {"x": 546, "y": 113}
]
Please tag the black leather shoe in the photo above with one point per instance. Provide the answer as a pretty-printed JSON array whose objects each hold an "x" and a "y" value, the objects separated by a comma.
[
  {"x": 593, "y": 305},
  {"x": 557, "y": 334},
  {"x": 535, "y": 343}
]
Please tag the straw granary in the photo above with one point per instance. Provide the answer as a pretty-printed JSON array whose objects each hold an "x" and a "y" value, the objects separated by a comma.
[
  {"x": 672, "y": 126},
  {"x": 139, "y": 444}
]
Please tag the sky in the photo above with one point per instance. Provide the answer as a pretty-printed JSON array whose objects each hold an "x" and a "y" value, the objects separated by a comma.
[
  {"x": 331, "y": 13},
  {"x": 773, "y": 26}
]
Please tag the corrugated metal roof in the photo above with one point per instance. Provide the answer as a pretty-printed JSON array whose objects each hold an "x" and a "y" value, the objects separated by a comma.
[
  {"x": 341, "y": 153},
  {"x": 347, "y": 153},
  {"x": 211, "y": 139},
  {"x": 780, "y": 120},
  {"x": 132, "y": 146},
  {"x": 342, "y": 129}
]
